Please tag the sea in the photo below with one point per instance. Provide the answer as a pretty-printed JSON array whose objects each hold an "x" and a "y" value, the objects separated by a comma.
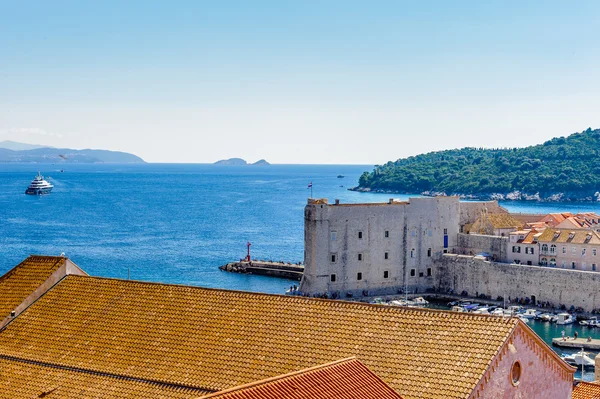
[{"x": 177, "y": 223}]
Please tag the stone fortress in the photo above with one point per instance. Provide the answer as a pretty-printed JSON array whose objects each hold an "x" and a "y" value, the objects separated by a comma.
[{"x": 440, "y": 245}]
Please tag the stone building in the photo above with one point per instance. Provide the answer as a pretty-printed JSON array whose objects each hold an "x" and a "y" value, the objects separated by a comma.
[
  {"x": 523, "y": 247},
  {"x": 356, "y": 249},
  {"x": 93, "y": 337}
]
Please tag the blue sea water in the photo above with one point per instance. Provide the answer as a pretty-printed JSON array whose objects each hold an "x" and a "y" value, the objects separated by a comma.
[{"x": 176, "y": 223}]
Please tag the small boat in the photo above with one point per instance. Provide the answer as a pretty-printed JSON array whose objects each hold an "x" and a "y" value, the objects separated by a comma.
[
  {"x": 546, "y": 317},
  {"x": 420, "y": 301},
  {"x": 531, "y": 314},
  {"x": 513, "y": 310},
  {"x": 564, "y": 318},
  {"x": 340, "y": 176},
  {"x": 39, "y": 186},
  {"x": 523, "y": 319},
  {"x": 591, "y": 322},
  {"x": 482, "y": 310},
  {"x": 578, "y": 359},
  {"x": 458, "y": 309},
  {"x": 498, "y": 312}
]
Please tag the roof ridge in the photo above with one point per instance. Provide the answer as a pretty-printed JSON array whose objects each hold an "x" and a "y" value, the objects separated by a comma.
[
  {"x": 388, "y": 308},
  {"x": 99, "y": 373},
  {"x": 12, "y": 270},
  {"x": 283, "y": 376}
]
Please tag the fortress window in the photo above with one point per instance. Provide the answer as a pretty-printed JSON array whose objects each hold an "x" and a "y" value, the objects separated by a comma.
[
  {"x": 386, "y": 274},
  {"x": 429, "y": 252},
  {"x": 359, "y": 256},
  {"x": 413, "y": 272},
  {"x": 332, "y": 258},
  {"x": 332, "y": 278},
  {"x": 412, "y": 253},
  {"x": 573, "y": 264},
  {"x": 386, "y": 255},
  {"x": 360, "y": 235},
  {"x": 386, "y": 234},
  {"x": 445, "y": 231},
  {"x": 359, "y": 276},
  {"x": 564, "y": 250},
  {"x": 429, "y": 272},
  {"x": 333, "y": 235},
  {"x": 593, "y": 267}
]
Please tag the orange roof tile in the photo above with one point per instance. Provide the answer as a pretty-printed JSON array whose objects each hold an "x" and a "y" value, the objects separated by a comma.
[
  {"x": 344, "y": 379},
  {"x": 216, "y": 339},
  {"x": 19, "y": 379},
  {"x": 586, "y": 390},
  {"x": 23, "y": 279}
]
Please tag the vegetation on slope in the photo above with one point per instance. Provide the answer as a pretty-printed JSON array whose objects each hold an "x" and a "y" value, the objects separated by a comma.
[{"x": 563, "y": 164}]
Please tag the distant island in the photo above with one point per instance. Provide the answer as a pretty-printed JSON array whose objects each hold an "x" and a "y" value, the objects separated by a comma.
[
  {"x": 561, "y": 169},
  {"x": 12, "y": 151},
  {"x": 240, "y": 162}
]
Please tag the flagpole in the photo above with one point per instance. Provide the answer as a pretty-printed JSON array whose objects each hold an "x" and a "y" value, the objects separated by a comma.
[{"x": 311, "y": 193}]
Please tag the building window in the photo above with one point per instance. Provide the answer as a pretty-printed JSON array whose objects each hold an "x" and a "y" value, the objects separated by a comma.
[
  {"x": 413, "y": 272},
  {"x": 531, "y": 250},
  {"x": 593, "y": 267},
  {"x": 429, "y": 252},
  {"x": 573, "y": 264},
  {"x": 386, "y": 234},
  {"x": 360, "y": 235},
  {"x": 552, "y": 262},
  {"x": 545, "y": 248},
  {"x": 564, "y": 250},
  {"x": 574, "y": 250},
  {"x": 333, "y": 258},
  {"x": 515, "y": 373},
  {"x": 582, "y": 251},
  {"x": 445, "y": 231},
  {"x": 333, "y": 235},
  {"x": 552, "y": 249},
  {"x": 332, "y": 278},
  {"x": 412, "y": 253},
  {"x": 564, "y": 264},
  {"x": 594, "y": 251},
  {"x": 360, "y": 257},
  {"x": 386, "y": 255},
  {"x": 359, "y": 276},
  {"x": 429, "y": 272},
  {"x": 386, "y": 274},
  {"x": 544, "y": 262},
  {"x": 529, "y": 262}
]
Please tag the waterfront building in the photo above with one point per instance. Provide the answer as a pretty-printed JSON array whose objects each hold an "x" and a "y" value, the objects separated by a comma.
[
  {"x": 107, "y": 338},
  {"x": 570, "y": 249},
  {"x": 361, "y": 249},
  {"x": 523, "y": 247}
]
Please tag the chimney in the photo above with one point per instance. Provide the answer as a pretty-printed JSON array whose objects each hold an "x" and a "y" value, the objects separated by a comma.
[{"x": 337, "y": 201}]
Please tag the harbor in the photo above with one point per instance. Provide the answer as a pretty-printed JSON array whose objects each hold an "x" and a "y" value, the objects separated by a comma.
[{"x": 266, "y": 268}]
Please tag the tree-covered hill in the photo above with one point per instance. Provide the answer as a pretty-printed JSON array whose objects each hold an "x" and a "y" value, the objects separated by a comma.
[{"x": 561, "y": 168}]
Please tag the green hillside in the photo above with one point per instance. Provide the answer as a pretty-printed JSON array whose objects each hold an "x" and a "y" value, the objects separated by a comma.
[{"x": 561, "y": 165}]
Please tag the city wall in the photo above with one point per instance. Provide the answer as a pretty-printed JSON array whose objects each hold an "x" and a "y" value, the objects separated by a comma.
[{"x": 558, "y": 286}]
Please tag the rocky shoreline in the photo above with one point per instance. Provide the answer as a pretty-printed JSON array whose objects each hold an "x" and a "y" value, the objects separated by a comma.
[{"x": 512, "y": 196}]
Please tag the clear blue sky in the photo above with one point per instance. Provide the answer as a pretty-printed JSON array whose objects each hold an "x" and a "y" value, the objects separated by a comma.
[{"x": 296, "y": 81}]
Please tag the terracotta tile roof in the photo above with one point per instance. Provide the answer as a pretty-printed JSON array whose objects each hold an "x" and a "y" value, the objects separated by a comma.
[
  {"x": 217, "y": 339},
  {"x": 504, "y": 221},
  {"x": 576, "y": 236},
  {"x": 586, "y": 390},
  {"x": 20, "y": 379},
  {"x": 23, "y": 279},
  {"x": 345, "y": 379}
]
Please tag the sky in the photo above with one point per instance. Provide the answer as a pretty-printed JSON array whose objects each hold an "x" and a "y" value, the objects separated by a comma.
[{"x": 325, "y": 82}]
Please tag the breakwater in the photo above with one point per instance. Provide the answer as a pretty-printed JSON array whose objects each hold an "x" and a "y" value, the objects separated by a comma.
[{"x": 293, "y": 271}]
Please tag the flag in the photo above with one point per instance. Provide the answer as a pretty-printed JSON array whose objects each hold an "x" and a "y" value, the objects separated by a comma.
[{"x": 309, "y": 185}]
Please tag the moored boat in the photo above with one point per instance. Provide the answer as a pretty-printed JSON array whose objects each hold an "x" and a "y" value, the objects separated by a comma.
[
  {"x": 565, "y": 318},
  {"x": 578, "y": 359},
  {"x": 39, "y": 186}
]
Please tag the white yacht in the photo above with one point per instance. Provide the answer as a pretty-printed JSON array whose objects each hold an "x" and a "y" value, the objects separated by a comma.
[
  {"x": 531, "y": 314},
  {"x": 565, "y": 318},
  {"x": 578, "y": 359},
  {"x": 39, "y": 186}
]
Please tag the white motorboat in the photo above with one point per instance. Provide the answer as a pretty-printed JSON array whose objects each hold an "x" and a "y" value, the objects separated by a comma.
[
  {"x": 498, "y": 312},
  {"x": 564, "y": 318},
  {"x": 531, "y": 314},
  {"x": 591, "y": 322},
  {"x": 420, "y": 301},
  {"x": 523, "y": 319},
  {"x": 39, "y": 186},
  {"x": 458, "y": 309},
  {"x": 482, "y": 310},
  {"x": 578, "y": 359}
]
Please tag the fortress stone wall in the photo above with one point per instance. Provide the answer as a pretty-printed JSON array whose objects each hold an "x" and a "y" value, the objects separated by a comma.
[
  {"x": 473, "y": 244},
  {"x": 556, "y": 285}
]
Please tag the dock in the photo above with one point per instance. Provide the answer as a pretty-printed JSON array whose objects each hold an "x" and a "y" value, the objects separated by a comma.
[
  {"x": 291, "y": 271},
  {"x": 578, "y": 343}
]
